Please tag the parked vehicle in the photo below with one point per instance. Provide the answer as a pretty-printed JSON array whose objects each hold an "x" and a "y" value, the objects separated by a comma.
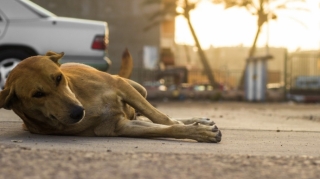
[
  {"x": 305, "y": 89},
  {"x": 27, "y": 29},
  {"x": 307, "y": 82}
]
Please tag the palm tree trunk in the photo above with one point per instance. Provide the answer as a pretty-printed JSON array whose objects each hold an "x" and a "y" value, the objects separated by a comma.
[
  {"x": 251, "y": 54},
  {"x": 253, "y": 47},
  {"x": 203, "y": 58}
]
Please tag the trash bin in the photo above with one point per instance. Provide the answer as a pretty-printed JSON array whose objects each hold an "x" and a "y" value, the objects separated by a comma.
[{"x": 256, "y": 78}]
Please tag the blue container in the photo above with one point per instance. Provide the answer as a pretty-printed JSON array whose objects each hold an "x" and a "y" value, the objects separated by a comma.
[{"x": 256, "y": 78}]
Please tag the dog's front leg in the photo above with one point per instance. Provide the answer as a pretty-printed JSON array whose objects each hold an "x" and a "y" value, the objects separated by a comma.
[{"x": 198, "y": 132}]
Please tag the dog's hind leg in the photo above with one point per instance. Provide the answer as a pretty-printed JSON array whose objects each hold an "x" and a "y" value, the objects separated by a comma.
[
  {"x": 138, "y": 87},
  {"x": 198, "y": 132},
  {"x": 131, "y": 96}
]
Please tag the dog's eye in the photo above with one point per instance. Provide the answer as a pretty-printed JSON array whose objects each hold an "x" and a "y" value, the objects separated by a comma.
[
  {"x": 38, "y": 94},
  {"x": 58, "y": 79}
]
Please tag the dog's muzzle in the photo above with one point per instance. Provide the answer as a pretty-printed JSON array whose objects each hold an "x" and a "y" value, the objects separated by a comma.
[{"x": 76, "y": 113}]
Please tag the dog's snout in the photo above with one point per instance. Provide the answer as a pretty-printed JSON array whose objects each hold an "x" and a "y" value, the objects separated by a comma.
[{"x": 77, "y": 113}]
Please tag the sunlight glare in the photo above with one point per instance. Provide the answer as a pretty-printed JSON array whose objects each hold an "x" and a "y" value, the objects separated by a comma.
[{"x": 216, "y": 26}]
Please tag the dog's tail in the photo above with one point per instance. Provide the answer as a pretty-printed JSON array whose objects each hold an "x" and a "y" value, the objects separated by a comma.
[{"x": 126, "y": 65}]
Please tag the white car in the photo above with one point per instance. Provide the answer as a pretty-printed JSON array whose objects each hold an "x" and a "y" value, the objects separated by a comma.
[{"x": 27, "y": 29}]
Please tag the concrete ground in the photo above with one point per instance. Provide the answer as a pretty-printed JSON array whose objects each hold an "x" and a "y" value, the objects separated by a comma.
[{"x": 273, "y": 140}]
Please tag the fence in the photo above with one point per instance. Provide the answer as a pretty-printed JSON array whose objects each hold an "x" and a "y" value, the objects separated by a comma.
[
  {"x": 227, "y": 76},
  {"x": 302, "y": 75},
  {"x": 228, "y": 79}
]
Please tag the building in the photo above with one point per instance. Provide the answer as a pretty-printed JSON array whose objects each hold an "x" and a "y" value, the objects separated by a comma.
[{"x": 128, "y": 21}]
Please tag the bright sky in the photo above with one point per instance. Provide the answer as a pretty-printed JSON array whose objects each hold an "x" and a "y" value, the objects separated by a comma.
[{"x": 232, "y": 27}]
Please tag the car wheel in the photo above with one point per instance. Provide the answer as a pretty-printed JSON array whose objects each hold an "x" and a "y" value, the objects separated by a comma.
[{"x": 9, "y": 60}]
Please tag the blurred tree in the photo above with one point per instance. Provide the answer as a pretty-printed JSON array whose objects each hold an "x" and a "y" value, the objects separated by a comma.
[
  {"x": 264, "y": 10},
  {"x": 173, "y": 8}
]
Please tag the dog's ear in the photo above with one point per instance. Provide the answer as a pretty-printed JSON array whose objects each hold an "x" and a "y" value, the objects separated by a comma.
[
  {"x": 6, "y": 98},
  {"x": 55, "y": 57}
]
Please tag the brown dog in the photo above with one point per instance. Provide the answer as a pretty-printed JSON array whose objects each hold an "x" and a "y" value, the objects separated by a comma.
[{"x": 75, "y": 99}]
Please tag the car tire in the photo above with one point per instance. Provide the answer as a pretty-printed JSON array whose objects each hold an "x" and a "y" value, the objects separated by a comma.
[{"x": 8, "y": 60}]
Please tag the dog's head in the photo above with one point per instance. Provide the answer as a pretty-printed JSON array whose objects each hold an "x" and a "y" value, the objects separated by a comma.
[{"x": 38, "y": 92}]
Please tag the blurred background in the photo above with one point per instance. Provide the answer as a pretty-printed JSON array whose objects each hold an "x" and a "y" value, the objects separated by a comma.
[{"x": 254, "y": 50}]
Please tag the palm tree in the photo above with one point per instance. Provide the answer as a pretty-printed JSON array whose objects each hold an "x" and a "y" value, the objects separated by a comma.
[
  {"x": 264, "y": 10},
  {"x": 168, "y": 9}
]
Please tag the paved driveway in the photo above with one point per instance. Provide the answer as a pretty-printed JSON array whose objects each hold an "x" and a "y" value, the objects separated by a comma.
[{"x": 259, "y": 141}]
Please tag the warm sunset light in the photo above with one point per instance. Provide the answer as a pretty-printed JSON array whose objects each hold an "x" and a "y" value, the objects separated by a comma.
[{"x": 235, "y": 26}]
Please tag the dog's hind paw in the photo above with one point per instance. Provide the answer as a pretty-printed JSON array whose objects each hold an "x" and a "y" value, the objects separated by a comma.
[
  {"x": 219, "y": 134},
  {"x": 204, "y": 133},
  {"x": 204, "y": 121},
  {"x": 214, "y": 137}
]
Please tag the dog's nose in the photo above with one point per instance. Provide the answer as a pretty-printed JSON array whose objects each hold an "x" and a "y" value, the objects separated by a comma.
[{"x": 77, "y": 113}]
